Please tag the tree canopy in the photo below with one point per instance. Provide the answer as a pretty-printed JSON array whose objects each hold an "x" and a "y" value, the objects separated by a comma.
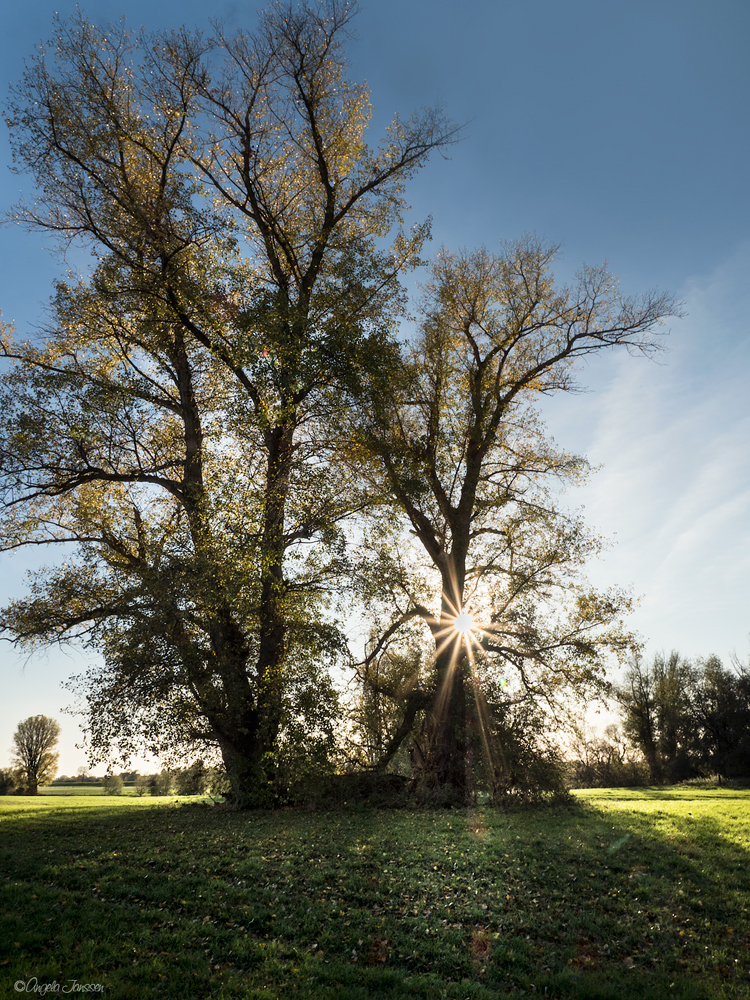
[
  {"x": 168, "y": 422},
  {"x": 34, "y": 743},
  {"x": 216, "y": 402},
  {"x": 457, "y": 448}
]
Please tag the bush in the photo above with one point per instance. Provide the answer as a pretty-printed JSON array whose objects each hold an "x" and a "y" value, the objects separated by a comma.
[
  {"x": 10, "y": 782},
  {"x": 371, "y": 788},
  {"x": 516, "y": 760},
  {"x": 160, "y": 784}
]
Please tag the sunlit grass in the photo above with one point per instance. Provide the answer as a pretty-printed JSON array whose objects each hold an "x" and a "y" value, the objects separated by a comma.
[
  {"x": 12, "y": 804},
  {"x": 637, "y": 893}
]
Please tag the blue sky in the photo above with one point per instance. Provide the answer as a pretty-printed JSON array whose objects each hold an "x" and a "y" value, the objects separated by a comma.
[{"x": 621, "y": 130}]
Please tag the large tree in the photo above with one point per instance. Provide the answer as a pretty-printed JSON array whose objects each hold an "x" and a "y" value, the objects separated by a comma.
[
  {"x": 167, "y": 423},
  {"x": 456, "y": 447},
  {"x": 34, "y": 743}
]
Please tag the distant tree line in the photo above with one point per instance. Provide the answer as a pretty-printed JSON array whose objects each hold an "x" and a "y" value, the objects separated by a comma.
[
  {"x": 681, "y": 719},
  {"x": 688, "y": 718},
  {"x": 605, "y": 760},
  {"x": 196, "y": 779}
]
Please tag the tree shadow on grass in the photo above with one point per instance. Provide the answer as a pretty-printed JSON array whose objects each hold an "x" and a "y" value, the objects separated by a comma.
[{"x": 579, "y": 901}]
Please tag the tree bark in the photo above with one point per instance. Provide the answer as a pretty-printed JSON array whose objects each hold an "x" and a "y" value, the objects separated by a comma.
[{"x": 443, "y": 778}]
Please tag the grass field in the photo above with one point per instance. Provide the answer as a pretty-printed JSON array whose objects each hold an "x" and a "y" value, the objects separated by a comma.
[
  {"x": 641, "y": 894},
  {"x": 80, "y": 790}
]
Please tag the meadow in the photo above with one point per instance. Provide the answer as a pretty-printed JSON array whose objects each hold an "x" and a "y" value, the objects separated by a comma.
[
  {"x": 641, "y": 893},
  {"x": 81, "y": 790}
]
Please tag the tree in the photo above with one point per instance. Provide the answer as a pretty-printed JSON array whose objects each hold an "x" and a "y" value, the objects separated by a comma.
[
  {"x": 637, "y": 702},
  {"x": 456, "y": 448},
  {"x": 162, "y": 783},
  {"x": 721, "y": 718},
  {"x": 606, "y": 760},
  {"x": 688, "y": 718},
  {"x": 675, "y": 683},
  {"x": 168, "y": 425},
  {"x": 34, "y": 743},
  {"x": 113, "y": 784},
  {"x": 192, "y": 780},
  {"x": 141, "y": 784}
]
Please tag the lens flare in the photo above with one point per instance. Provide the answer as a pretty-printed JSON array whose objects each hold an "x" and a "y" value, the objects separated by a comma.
[{"x": 463, "y": 623}]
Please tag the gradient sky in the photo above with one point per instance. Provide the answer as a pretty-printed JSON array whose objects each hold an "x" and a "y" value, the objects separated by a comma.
[{"x": 620, "y": 130}]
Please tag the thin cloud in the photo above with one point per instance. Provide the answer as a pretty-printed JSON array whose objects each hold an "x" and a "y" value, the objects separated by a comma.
[{"x": 673, "y": 442}]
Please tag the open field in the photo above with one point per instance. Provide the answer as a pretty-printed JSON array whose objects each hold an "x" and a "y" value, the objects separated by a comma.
[
  {"x": 640, "y": 893},
  {"x": 80, "y": 790}
]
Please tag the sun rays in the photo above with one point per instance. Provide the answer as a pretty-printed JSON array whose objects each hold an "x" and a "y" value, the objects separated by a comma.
[
  {"x": 457, "y": 630},
  {"x": 459, "y": 648}
]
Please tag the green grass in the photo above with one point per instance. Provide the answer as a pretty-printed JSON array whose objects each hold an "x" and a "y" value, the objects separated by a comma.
[
  {"x": 86, "y": 790},
  {"x": 638, "y": 893},
  {"x": 130, "y": 790},
  {"x": 79, "y": 790}
]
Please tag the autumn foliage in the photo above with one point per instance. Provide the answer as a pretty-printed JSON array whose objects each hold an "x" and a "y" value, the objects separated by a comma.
[{"x": 225, "y": 427}]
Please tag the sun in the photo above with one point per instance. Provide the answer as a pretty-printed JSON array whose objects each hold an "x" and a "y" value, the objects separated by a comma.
[{"x": 463, "y": 623}]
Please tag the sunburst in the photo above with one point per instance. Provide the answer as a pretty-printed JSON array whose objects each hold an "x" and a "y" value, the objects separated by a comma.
[{"x": 464, "y": 623}]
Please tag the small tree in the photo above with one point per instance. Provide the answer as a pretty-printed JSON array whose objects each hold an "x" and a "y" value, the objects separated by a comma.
[
  {"x": 141, "y": 784},
  {"x": 112, "y": 784},
  {"x": 192, "y": 780},
  {"x": 161, "y": 784},
  {"x": 34, "y": 743}
]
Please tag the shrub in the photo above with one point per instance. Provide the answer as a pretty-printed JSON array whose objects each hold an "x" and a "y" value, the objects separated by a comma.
[
  {"x": 10, "y": 781},
  {"x": 372, "y": 788},
  {"x": 160, "y": 784}
]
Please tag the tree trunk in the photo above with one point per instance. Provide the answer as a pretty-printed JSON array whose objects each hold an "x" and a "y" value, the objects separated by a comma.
[
  {"x": 443, "y": 778},
  {"x": 247, "y": 772},
  {"x": 272, "y": 613},
  {"x": 247, "y": 727}
]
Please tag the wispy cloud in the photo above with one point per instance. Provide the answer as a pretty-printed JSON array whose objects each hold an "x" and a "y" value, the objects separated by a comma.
[{"x": 673, "y": 442}]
